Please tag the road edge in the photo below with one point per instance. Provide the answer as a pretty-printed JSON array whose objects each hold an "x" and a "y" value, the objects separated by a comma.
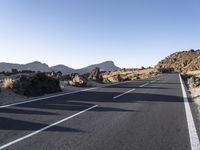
[{"x": 194, "y": 139}]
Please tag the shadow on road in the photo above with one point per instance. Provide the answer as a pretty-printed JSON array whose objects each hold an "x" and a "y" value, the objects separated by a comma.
[
  {"x": 14, "y": 124},
  {"x": 62, "y": 105}
]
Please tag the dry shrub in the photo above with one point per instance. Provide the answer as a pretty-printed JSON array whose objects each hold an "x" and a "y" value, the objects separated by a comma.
[{"x": 7, "y": 83}]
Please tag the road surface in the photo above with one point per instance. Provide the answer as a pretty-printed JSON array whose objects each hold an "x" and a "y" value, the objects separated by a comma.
[{"x": 146, "y": 114}]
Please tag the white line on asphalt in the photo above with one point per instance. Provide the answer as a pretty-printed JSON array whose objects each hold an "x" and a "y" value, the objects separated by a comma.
[
  {"x": 144, "y": 85},
  {"x": 194, "y": 140},
  {"x": 42, "y": 98},
  {"x": 45, "y": 128},
  {"x": 153, "y": 81},
  {"x": 123, "y": 93},
  {"x": 57, "y": 95}
]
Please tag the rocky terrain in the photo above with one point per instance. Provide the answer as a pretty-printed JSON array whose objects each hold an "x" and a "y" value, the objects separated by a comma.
[
  {"x": 188, "y": 64},
  {"x": 29, "y": 84},
  {"x": 105, "y": 66},
  {"x": 183, "y": 61},
  {"x": 18, "y": 82},
  {"x": 192, "y": 80}
]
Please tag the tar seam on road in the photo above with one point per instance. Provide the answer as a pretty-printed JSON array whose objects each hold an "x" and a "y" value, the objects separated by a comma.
[
  {"x": 45, "y": 128},
  {"x": 123, "y": 93},
  {"x": 194, "y": 140}
]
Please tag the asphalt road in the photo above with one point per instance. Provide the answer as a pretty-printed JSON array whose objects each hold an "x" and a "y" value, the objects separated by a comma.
[{"x": 145, "y": 114}]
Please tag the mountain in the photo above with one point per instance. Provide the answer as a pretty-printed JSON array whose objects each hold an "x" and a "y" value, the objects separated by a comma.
[
  {"x": 182, "y": 61},
  {"x": 105, "y": 66},
  {"x": 64, "y": 69},
  {"x": 34, "y": 66},
  {"x": 38, "y": 66}
]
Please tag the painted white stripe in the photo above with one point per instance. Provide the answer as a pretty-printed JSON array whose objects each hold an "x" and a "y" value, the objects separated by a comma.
[
  {"x": 45, "y": 128},
  {"x": 62, "y": 94},
  {"x": 194, "y": 140},
  {"x": 123, "y": 93},
  {"x": 57, "y": 95},
  {"x": 144, "y": 85},
  {"x": 89, "y": 89},
  {"x": 43, "y": 98},
  {"x": 153, "y": 81}
]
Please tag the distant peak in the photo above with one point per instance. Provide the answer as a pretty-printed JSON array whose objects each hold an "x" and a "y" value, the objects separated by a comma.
[
  {"x": 108, "y": 62},
  {"x": 35, "y": 62}
]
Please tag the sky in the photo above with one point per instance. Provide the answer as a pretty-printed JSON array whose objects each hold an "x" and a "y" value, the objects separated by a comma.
[{"x": 77, "y": 33}]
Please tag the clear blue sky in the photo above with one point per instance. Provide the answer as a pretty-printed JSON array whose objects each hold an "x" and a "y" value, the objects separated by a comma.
[{"x": 77, "y": 33}]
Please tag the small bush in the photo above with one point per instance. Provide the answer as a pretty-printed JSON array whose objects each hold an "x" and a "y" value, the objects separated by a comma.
[{"x": 8, "y": 83}]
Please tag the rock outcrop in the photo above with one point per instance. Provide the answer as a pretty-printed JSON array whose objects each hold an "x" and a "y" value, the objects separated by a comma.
[
  {"x": 182, "y": 61},
  {"x": 76, "y": 80},
  {"x": 194, "y": 81},
  {"x": 95, "y": 75},
  {"x": 35, "y": 85},
  {"x": 126, "y": 75}
]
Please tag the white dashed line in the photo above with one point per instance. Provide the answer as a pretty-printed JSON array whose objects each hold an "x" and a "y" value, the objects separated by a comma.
[
  {"x": 144, "y": 85},
  {"x": 45, "y": 128},
  {"x": 43, "y": 98},
  {"x": 123, "y": 93}
]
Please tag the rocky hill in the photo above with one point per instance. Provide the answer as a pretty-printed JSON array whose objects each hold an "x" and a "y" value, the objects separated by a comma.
[
  {"x": 38, "y": 66},
  {"x": 34, "y": 66},
  {"x": 64, "y": 69},
  {"x": 183, "y": 61},
  {"x": 105, "y": 66}
]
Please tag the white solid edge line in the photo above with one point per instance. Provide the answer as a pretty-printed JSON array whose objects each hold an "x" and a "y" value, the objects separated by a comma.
[
  {"x": 123, "y": 93},
  {"x": 194, "y": 140},
  {"x": 45, "y": 128}
]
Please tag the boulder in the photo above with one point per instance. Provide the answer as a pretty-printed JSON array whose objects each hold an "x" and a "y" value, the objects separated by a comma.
[
  {"x": 35, "y": 85},
  {"x": 77, "y": 80},
  {"x": 114, "y": 79},
  {"x": 194, "y": 81},
  {"x": 95, "y": 74},
  {"x": 14, "y": 71},
  {"x": 57, "y": 75}
]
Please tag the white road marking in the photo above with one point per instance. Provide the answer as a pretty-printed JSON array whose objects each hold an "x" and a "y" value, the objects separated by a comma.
[
  {"x": 57, "y": 95},
  {"x": 153, "y": 81},
  {"x": 42, "y": 98},
  {"x": 45, "y": 128},
  {"x": 123, "y": 93},
  {"x": 144, "y": 85},
  {"x": 194, "y": 140},
  {"x": 62, "y": 94}
]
